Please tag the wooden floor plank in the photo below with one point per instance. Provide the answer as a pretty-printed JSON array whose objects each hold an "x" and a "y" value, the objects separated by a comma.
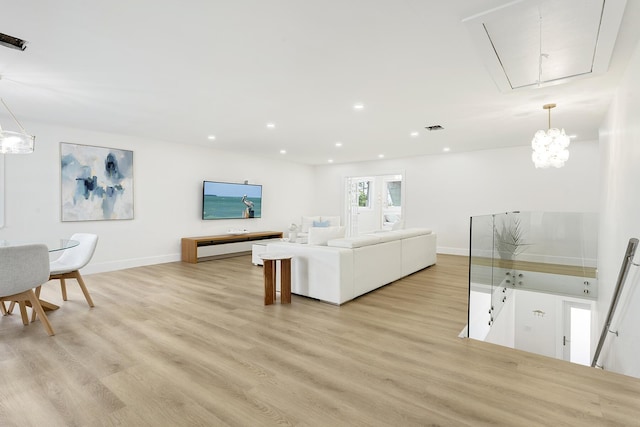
[{"x": 193, "y": 344}]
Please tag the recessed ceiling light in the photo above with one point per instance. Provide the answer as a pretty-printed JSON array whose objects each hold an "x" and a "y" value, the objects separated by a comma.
[
  {"x": 283, "y": 151},
  {"x": 338, "y": 144},
  {"x": 446, "y": 149},
  {"x": 271, "y": 125},
  {"x": 380, "y": 156},
  {"x": 211, "y": 137},
  {"x": 358, "y": 106},
  {"x": 414, "y": 134},
  {"x": 330, "y": 160}
]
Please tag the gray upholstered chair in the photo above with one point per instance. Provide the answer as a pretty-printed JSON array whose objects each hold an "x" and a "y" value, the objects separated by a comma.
[{"x": 23, "y": 268}]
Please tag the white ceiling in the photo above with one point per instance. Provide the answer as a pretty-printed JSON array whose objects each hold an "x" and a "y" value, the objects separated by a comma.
[
  {"x": 182, "y": 70},
  {"x": 532, "y": 43}
]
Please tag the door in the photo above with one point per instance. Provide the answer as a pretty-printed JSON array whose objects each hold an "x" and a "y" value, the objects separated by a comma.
[
  {"x": 576, "y": 338},
  {"x": 373, "y": 202}
]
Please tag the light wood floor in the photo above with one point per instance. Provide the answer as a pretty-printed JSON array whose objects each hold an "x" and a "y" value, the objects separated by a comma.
[{"x": 192, "y": 344}]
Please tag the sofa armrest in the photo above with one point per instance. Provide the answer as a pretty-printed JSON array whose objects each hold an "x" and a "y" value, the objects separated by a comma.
[{"x": 418, "y": 252}]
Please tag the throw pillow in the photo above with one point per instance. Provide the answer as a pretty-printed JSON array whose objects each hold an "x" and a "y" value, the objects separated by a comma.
[
  {"x": 321, "y": 223},
  {"x": 398, "y": 225},
  {"x": 391, "y": 218},
  {"x": 321, "y": 235},
  {"x": 334, "y": 221},
  {"x": 307, "y": 221}
]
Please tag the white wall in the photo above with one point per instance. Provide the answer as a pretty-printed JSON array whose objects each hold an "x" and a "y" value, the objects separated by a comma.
[
  {"x": 443, "y": 191},
  {"x": 167, "y": 191},
  {"x": 620, "y": 221},
  {"x": 536, "y": 332},
  {"x": 503, "y": 329},
  {"x": 534, "y": 322}
]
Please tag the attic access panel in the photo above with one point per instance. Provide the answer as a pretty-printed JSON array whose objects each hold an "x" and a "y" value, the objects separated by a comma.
[{"x": 576, "y": 37}]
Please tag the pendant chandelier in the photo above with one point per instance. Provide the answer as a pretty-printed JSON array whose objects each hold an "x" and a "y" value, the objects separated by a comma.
[
  {"x": 15, "y": 142},
  {"x": 550, "y": 146}
]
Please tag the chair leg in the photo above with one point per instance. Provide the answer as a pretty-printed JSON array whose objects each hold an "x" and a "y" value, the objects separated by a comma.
[
  {"x": 3, "y": 309},
  {"x": 33, "y": 310},
  {"x": 63, "y": 287},
  {"x": 23, "y": 312},
  {"x": 35, "y": 304},
  {"x": 12, "y": 304},
  {"x": 85, "y": 291}
]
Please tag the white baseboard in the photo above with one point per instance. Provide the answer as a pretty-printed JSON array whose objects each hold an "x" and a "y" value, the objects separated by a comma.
[
  {"x": 453, "y": 251},
  {"x": 128, "y": 263},
  {"x": 105, "y": 267}
]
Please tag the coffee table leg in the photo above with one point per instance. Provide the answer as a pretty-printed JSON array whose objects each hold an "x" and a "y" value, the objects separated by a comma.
[
  {"x": 269, "y": 282},
  {"x": 285, "y": 281},
  {"x": 274, "y": 276}
]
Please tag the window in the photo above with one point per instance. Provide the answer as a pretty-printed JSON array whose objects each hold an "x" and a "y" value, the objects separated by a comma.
[
  {"x": 364, "y": 194},
  {"x": 394, "y": 194}
]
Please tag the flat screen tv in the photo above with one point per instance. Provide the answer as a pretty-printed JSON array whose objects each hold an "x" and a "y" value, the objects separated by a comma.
[{"x": 226, "y": 200}]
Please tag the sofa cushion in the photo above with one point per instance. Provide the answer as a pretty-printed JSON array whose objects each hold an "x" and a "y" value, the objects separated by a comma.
[
  {"x": 320, "y": 235},
  {"x": 411, "y": 232},
  {"x": 384, "y": 236},
  {"x": 321, "y": 224},
  {"x": 354, "y": 242}
]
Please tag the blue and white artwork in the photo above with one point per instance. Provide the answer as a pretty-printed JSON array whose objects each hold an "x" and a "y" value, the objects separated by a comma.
[{"x": 96, "y": 183}]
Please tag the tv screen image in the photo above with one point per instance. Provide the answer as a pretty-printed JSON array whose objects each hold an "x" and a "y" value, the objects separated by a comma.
[{"x": 225, "y": 200}]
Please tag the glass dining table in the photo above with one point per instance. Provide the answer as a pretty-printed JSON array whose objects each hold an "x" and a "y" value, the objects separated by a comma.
[{"x": 54, "y": 245}]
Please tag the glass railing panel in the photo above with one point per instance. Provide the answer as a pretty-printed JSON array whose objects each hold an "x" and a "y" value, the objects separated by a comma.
[
  {"x": 553, "y": 252},
  {"x": 525, "y": 270},
  {"x": 507, "y": 244},
  {"x": 480, "y": 276}
]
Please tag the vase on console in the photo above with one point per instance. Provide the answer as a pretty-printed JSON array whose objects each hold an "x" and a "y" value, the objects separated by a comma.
[{"x": 293, "y": 232}]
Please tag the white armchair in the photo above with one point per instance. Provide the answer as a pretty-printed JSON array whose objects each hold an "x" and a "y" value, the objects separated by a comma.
[{"x": 71, "y": 261}]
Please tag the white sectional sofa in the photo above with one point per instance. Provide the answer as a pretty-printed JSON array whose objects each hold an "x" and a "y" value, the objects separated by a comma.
[{"x": 349, "y": 267}]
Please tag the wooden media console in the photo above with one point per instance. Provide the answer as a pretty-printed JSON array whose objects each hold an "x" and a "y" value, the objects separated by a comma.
[{"x": 223, "y": 245}]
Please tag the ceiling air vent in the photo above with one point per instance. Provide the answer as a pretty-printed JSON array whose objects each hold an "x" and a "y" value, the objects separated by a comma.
[{"x": 434, "y": 127}]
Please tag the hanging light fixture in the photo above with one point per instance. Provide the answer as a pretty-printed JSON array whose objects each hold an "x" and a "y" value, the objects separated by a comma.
[
  {"x": 15, "y": 142},
  {"x": 550, "y": 146}
]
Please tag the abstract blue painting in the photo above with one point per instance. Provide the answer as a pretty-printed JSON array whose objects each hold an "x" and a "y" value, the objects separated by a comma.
[{"x": 96, "y": 183}]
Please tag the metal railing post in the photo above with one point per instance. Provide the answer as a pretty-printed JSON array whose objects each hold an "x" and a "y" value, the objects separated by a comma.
[{"x": 626, "y": 264}]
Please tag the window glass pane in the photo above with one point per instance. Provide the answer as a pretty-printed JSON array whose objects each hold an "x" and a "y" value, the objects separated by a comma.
[
  {"x": 394, "y": 192},
  {"x": 363, "y": 193}
]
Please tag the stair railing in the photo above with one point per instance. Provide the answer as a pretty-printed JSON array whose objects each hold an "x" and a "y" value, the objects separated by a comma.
[{"x": 622, "y": 276}]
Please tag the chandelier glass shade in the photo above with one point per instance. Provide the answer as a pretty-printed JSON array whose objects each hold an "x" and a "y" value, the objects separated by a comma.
[
  {"x": 15, "y": 142},
  {"x": 550, "y": 146}
]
